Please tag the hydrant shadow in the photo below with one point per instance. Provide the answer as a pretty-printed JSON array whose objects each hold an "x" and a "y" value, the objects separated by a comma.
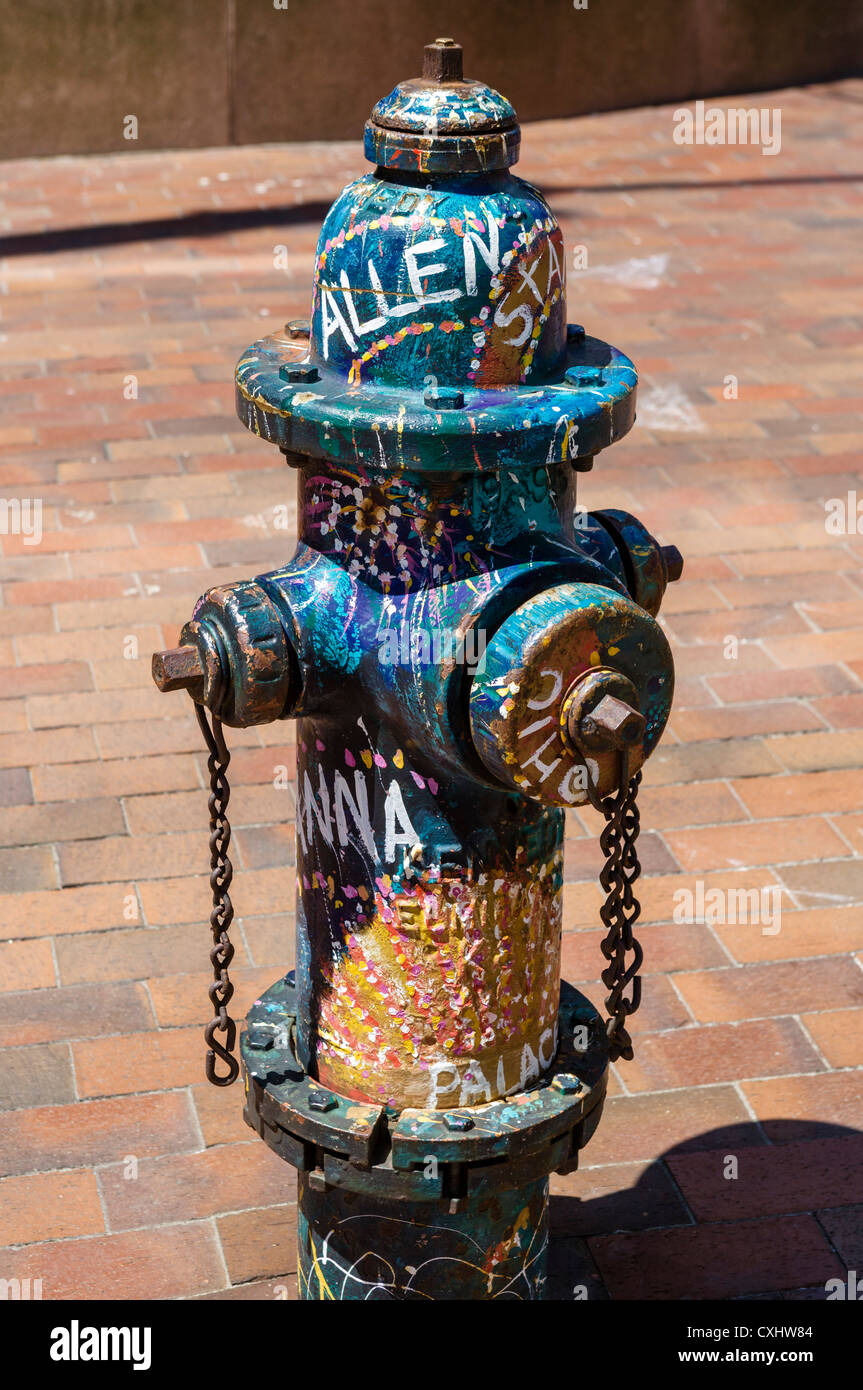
[{"x": 758, "y": 1209}]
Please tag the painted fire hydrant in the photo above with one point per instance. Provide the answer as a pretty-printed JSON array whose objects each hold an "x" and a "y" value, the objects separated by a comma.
[{"x": 467, "y": 653}]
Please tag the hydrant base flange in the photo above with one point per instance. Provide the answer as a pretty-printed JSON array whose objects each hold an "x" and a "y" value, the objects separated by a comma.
[{"x": 416, "y": 1155}]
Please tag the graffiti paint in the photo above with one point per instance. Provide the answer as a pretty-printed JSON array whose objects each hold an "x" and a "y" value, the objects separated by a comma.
[{"x": 354, "y": 1248}]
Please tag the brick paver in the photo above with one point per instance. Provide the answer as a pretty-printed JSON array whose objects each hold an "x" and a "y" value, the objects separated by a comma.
[{"x": 728, "y": 1163}]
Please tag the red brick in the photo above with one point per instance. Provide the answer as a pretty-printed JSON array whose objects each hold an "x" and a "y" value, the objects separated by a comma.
[
  {"x": 788, "y": 1107},
  {"x": 128, "y": 856},
  {"x": 627, "y": 1196},
  {"x": 705, "y": 762},
  {"x": 838, "y": 1034},
  {"x": 704, "y": 803},
  {"x": 171, "y": 1262},
  {"x": 259, "y": 1244},
  {"x": 662, "y": 896},
  {"x": 582, "y": 858},
  {"x": 49, "y": 1206},
  {"x": 780, "y": 685},
  {"x": 815, "y": 648},
  {"x": 771, "y": 1180},
  {"x": 84, "y": 538},
  {"x": 26, "y": 965},
  {"x": 842, "y": 711},
  {"x": 75, "y": 909},
  {"x": 15, "y": 788},
  {"x": 253, "y": 893},
  {"x": 122, "y": 777},
  {"x": 43, "y": 648},
  {"x": 30, "y": 680},
  {"x": 13, "y": 716},
  {"x": 49, "y": 746},
  {"x": 643, "y": 1126},
  {"x": 181, "y": 999},
  {"x": 97, "y": 1131},
  {"x": 257, "y": 806},
  {"x": 99, "y": 706},
  {"x": 271, "y": 940},
  {"x": 722, "y": 1052},
  {"x": 122, "y": 1065},
  {"x": 838, "y": 881},
  {"x": 79, "y": 820},
  {"x": 816, "y": 932},
  {"x": 809, "y": 793},
  {"x": 728, "y": 846},
  {"x": 742, "y": 721},
  {"x": 844, "y": 1230},
  {"x": 35, "y": 1076},
  {"x": 80, "y": 1011},
  {"x": 282, "y": 1288},
  {"x": 723, "y": 1261},
  {"x": 28, "y": 869},
  {"x": 136, "y": 954},
  {"x": 190, "y": 1186},
  {"x": 759, "y": 991},
  {"x": 219, "y": 1116}
]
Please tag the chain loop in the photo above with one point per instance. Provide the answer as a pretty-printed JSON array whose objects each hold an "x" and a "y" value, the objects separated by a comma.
[
  {"x": 221, "y": 873},
  {"x": 621, "y": 908}
]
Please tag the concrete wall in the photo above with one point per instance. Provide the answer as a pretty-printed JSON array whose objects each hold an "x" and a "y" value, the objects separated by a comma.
[{"x": 214, "y": 72}]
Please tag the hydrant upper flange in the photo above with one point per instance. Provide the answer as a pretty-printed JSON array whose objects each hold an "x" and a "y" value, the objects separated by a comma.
[{"x": 395, "y": 426}]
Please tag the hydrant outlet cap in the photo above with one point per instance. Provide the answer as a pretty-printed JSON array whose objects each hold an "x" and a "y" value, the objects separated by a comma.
[{"x": 442, "y": 122}]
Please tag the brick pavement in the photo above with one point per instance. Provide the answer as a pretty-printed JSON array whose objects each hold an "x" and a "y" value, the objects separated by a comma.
[{"x": 703, "y": 263}]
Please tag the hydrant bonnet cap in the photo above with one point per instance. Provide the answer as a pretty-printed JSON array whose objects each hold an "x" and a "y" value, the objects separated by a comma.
[{"x": 442, "y": 122}]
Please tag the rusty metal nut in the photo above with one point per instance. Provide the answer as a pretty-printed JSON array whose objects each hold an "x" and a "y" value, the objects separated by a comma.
[
  {"x": 442, "y": 61},
  {"x": 179, "y": 668},
  {"x": 600, "y": 712},
  {"x": 673, "y": 562},
  {"x": 612, "y": 724},
  {"x": 234, "y": 657}
]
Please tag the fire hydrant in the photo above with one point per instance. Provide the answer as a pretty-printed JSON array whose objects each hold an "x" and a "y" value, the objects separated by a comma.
[{"x": 467, "y": 653}]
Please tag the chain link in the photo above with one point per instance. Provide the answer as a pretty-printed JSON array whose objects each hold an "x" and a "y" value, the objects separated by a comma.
[
  {"x": 621, "y": 908},
  {"x": 221, "y": 873}
]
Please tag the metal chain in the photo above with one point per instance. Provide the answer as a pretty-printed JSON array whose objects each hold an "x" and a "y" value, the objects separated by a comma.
[
  {"x": 621, "y": 908},
  {"x": 221, "y": 873}
]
